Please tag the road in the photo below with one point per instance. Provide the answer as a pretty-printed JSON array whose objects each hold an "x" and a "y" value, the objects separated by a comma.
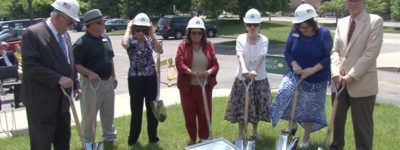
[{"x": 389, "y": 82}]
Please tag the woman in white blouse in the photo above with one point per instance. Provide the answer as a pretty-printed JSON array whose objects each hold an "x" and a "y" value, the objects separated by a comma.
[{"x": 251, "y": 49}]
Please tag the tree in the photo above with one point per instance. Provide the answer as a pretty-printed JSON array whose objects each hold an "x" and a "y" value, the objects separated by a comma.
[
  {"x": 333, "y": 6},
  {"x": 240, "y": 7},
  {"x": 380, "y": 7},
  {"x": 154, "y": 7},
  {"x": 107, "y": 7},
  {"x": 395, "y": 10}
]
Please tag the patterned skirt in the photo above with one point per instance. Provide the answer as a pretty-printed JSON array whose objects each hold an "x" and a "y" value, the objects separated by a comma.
[
  {"x": 310, "y": 102},
  {"x": 259, "y": 102}
]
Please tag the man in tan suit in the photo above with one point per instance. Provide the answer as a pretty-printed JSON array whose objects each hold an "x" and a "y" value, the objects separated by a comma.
[{"x": 357, "y": 44}]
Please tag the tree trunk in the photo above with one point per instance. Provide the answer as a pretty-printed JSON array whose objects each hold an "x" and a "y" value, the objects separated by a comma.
[{"x": 30, "y": 11}]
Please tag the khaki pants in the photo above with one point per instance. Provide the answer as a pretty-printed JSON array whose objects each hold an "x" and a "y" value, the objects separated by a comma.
[{"x": 104, "y": 105}]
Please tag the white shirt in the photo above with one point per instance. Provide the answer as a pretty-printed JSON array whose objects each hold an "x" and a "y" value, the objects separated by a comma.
[
  {"x": 55, "y": 33},
  {"x": 250, "y": 54}
]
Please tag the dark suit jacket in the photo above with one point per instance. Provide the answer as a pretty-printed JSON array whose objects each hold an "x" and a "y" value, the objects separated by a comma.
[
  {"x": 43, "y": 63},
  {"x": 11, "y": 57}
]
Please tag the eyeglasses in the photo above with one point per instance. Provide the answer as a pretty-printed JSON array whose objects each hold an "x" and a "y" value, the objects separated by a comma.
[
  {"x": 255, "y": 25},
  {"x": 195, "y": 32},
  {"x": 67, "y": 19}
]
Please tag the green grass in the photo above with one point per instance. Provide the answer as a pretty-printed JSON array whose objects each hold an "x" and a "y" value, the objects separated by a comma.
[{"x": 173, "y": 134}]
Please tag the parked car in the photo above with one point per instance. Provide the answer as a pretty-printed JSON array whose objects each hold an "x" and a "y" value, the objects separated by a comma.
[
  {"x": 176, "y": 26},
  {"x": 20, "y": 24},
  {"x": 10, "y": 35},
  {"x": 115, "y": 24},
  {"x": 79, "y": 26}
]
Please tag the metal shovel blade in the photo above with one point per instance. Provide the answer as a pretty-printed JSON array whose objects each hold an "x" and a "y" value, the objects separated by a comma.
[
  {"x": 94, "y": 146},
  {"x": 239, "y": 144},
  {"x": 293, "y": 144},
  {"x": 215, "y": 144},
  {"x": 251, "y": 145},
  {"x": 282, "y": 143}
]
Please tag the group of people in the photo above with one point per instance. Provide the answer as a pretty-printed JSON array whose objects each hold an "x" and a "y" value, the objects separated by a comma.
[{"x": 51, "y": 63}]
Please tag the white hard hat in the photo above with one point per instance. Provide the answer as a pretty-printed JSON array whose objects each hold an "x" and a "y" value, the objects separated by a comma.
[
  {"x": 142, "y": 19},
  {"x": 303, "y": 13},
  {"x": 196, "y": 22},
  {"x": 252, "y": 16},
  {"x": 68, "y": 7}
]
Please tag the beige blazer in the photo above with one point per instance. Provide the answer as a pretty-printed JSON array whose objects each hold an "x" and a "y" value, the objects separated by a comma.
[{"x": 358, "y": 57}]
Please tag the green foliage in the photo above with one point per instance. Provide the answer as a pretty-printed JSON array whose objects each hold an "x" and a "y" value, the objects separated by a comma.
[
  {"x": 395, "y": 10},
  {"x": 153, "y": 7},
  {"x": 333, "y": 6},
  {"x": 240, "y": 7},
  {"x": 107, "y": 7},
  {"x": 378, "y": 6},
  {"x": 19, "y": 9}
]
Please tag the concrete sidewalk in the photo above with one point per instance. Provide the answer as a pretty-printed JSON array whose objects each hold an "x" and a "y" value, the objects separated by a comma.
[{"x": 170, "y": 96}]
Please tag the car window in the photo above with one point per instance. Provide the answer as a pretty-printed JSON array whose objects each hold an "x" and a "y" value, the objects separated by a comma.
[{"x": 163, "y": 21}]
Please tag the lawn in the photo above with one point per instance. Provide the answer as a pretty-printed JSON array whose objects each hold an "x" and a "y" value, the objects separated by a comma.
[{"x": 173, "y": 133}]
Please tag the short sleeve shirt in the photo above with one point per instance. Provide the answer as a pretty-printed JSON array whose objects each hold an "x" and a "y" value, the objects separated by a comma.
[{"x": 95, "y": 54}]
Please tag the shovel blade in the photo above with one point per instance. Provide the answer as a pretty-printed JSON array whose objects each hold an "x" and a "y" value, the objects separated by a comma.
[
  {"x": 251, "y": 145},
  {"x": 293, "y": 144},
  {"x": 239, "y": 144},
  {"x": 94, "y": 146},
  {"x": 98, "y": 146},
  {"x": 282, "y": 143}
]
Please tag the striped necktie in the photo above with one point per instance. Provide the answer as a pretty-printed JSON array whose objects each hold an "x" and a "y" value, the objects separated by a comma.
[{"x": 351, "y": 30}]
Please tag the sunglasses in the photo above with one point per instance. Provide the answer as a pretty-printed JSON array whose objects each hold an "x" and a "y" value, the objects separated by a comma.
[
  {"x": 141, "y": 29},
  {"x": 255, "y": 25},
  {"x": 299, "y": 27},
  {"x": 195, "y": 32}
]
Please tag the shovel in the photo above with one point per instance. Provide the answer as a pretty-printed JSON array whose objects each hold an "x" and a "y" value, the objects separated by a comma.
[
  {"x": 334, "y": 107},
  {"x": 94, "y": 145},
  {"x": 77, "y": 123},
  {"x": 287, "y": 142},
  {"x": 157, "y": 106},
  {"x": 245, "y": 144},
  {"x": 203, "y": 92}
]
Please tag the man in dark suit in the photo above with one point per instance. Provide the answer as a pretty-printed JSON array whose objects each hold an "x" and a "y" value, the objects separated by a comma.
[
  {"x": 48, "y": 66},
  {"x": 9, "y": 59}
]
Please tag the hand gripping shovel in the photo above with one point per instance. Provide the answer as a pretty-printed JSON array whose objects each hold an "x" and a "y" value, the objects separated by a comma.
[
  {"x": 245, "y": 144},
  {"x": 334, "y": 108},
  {"x": 94, "y": 145},
  {"x": 77, "y": 123},
  {"x": 287, "y": 142},
  {"x": 157, "y": 106}
]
